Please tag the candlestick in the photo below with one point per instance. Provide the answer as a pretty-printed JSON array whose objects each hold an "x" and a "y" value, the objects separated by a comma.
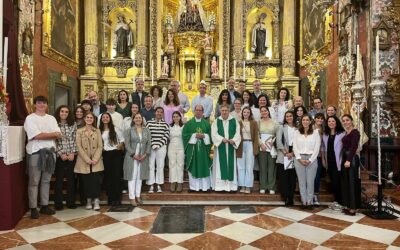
[
  {"x": 225, "y": 73},
  {"x": 234, "y": 70},
  {"x": 143, "y": 68},
  {"x": 377, "y": 56},
  {"x": 133, "y": 73},
  {"x": 152, "y": 73},
  {"x": 5, "y": 63},
  {"x": 244, "y": 71}
]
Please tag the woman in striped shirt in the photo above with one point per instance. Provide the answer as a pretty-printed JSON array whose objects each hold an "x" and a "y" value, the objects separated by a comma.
[{"x": 159, "y": 131}]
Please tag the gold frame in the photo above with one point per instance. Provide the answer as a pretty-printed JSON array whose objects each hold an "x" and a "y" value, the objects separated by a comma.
[{"x": 50, "y": 52}]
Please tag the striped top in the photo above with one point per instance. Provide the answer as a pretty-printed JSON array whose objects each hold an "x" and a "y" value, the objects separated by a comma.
[{"x": 159, "y": 131}]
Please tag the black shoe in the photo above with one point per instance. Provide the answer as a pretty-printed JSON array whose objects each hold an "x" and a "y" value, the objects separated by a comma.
[
  {"x": 34, "y": 213},
  {"x": 47, "y": 210},
  {"x": 59, "y": 207},
  {"x": 303, "y": 206},
  {"x": 72, "y": 206},
  {"x": 310, "y": 207}
]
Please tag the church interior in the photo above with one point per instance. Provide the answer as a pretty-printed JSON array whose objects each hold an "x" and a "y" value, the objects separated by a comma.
[{"x": 343, "y": 52}]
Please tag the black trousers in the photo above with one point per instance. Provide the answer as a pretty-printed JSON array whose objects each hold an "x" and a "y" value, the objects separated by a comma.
[
  {"x": 64, "y": 169},
  {"x": 351, "y": 184},
  {"x": 334, "y": 174},
  {"x": 112, "y": 174},
  {"x": 287, "y": 182},
  {"x": 92, "y": 184}
]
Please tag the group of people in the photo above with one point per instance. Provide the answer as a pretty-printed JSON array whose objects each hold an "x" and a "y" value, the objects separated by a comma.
[{"x": 132, "y": 138}]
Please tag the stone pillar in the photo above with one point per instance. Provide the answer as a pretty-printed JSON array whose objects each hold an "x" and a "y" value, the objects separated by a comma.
[
  {"x": 91, "y": 79},
  {"x": 288, "y": 77}
]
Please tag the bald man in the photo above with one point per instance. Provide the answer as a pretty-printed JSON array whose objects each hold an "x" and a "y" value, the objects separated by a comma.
[{"x": 98, "y": 107}]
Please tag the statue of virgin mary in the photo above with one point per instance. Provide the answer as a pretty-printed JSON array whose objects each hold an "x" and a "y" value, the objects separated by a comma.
[{"x": 191, "y": 16}]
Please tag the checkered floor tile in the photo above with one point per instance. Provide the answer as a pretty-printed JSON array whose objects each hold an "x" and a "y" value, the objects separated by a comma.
[{"x": 269, "y": 228}]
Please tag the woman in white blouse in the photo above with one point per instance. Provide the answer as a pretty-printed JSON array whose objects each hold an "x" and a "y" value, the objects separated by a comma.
[
  {"x": 112, "y": 157},
  {"x": 176, "y": 154},
  {"x": 306, "y": 146}
]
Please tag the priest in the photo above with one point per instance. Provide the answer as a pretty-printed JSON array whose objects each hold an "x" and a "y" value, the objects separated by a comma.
[
  {"x": 225, "y": 134},
  {"x": 196, "y": 140}
]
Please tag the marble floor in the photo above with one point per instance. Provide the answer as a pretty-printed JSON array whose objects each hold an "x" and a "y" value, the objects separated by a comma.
[{"x": 202, "y": 227}]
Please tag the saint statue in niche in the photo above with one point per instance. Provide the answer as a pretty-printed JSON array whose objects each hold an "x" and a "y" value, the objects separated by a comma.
[
  {"x": 27, "y": 40},
  {"x": 259, "y": 37},
  {"x": 124, "y": 37},
  {"x": 165, "y": 67},
  {"x": 191, "y": 16},
  {"x": 214, "y": 67},
  {"x": 207, "y": 41},
  {"x": 170, "y": 41}
]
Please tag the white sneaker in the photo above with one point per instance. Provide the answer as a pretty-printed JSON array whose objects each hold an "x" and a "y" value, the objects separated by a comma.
[
  {"x": 151, "y": 190},
  {"x": 262, "y": 191},
  {"x": 242, "y": 190},
  {"x": 271, "y": 192},
  {"x": 89, "y": 204},
  {"x": 247, "y": 190},
  {"x": 96, "y": 204},
  {"x": 315, "y": 200},
  {"x": 159, "y": 190}
]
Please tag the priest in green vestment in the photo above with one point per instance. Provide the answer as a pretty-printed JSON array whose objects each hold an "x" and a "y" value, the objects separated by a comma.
[
  {"x": 225, "y": 134},
  {"x": 197, "y": 142}
]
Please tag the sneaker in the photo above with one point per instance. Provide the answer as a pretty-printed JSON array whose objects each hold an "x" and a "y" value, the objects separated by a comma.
[
  {"x": 262, "y": 191},
  {"x": 159, "y": 190},
  {"x": 124, "y": 191},
  {"x": 96, "y": 204},
  {"x": 335, "y": 206},
  {"x": 247, "y": 190},
  {"x": 89, "y": 204},
  {"x": 34, "y": 213},
  {"x": 241, "y": 190},
  {"x": 151, "y": 190},
  {"x": 315, "y": 200},
  {"x": 271, "y": 191},
  {"x": 173, "y": 187},
  {"x": 47, "y": 210},
  {"x": 179, "y": 188}
]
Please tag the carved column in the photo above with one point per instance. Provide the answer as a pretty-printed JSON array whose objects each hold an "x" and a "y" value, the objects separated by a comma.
[
  {"x": 238, "y": 50},
  {"x": 91, "y": 79},
  {"x": 288, "y": 78},
  {"x": 197, "y": 75},
  {"x": 182, "y": 71},
  {"x": 142, "y": 34}
]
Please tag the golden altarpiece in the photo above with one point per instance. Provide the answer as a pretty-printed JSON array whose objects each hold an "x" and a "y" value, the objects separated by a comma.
[{"x": 188, "y": 40}]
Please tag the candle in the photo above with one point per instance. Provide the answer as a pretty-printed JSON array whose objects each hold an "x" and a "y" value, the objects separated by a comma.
[
  {"x": 234, "y": 70},
  {"x": 244, "y": 71},
  {"x": 143, "y": 68},
  {"x": 152, "y": 72},
  {"x": 225, "y": 73},
  {"x": 5, "y": 63},
  {"x": 133, "y": 73},
  {"x": 1, "y": 31},
  {"x": 377, "y": 56}
]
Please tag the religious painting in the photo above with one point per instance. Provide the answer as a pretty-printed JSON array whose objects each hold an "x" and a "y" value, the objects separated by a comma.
[
  {"x": 314, "y": 27},
  {"x": 60, "y": 31}
]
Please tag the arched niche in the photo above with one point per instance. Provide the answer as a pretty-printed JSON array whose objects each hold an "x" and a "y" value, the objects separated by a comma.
[
  {"x": 251, "y": 20},
  {"x": 130, "y": 18}
]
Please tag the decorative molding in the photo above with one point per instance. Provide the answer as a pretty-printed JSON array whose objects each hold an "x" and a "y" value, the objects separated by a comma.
[
  {"x": 153, "y": 32},
  {"x": 141, "y": 55},
  {"x": 120, "y": 65},
  {"x": 226, "y": 28},
  {"x": 288, "y": 56},
  {"x": 91, "y": 55},
  {"x": 261, "y": 65}
]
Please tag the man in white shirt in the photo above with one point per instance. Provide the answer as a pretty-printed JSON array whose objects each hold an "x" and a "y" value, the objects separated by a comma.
[
  {"x": 204, "y": 100},
  {"x": 117, "y": 118},
  {"x": 183, "y": 98},
  {"x": 42, "y": 131}
]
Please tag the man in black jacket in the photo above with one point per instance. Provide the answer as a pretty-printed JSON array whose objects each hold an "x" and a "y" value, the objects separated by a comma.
[
  {"x": 98, "y": 107},
  {"x": 139, "y": 95},
  {"x": 231, "y": 88}
]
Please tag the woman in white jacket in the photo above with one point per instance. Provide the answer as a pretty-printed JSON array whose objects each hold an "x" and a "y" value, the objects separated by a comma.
[
  {"x": 176, "y": 154},
  {"x": 306, "y": 146}
]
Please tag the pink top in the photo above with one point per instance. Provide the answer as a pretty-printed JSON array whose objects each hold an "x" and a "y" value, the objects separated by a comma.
[{"x": 168, "y": 110}]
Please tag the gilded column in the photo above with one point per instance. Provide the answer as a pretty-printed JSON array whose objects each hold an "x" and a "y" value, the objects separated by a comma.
[
  {"x": 142, "y": 33},
  {"x": 197, "y": 76},
  {"x": 288, "y": 78},
  {"x": 238, "y": 50},
  {"x": 91, "y": 79},
  {"x": 182, "y": 72}
]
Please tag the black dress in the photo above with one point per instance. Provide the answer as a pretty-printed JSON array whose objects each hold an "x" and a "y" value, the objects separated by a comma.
[
  {"x": 350, "y": 181},
  {"x": 333, "y": 170}
]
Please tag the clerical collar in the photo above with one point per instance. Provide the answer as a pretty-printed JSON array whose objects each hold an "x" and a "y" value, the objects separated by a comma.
[{"x": 197, "y": 120}]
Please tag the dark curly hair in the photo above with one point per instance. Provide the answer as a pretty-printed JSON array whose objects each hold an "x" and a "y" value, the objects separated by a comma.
[
  {"x": 223, "y": 92},
  {"x": 176, "y": 99},
  {"x": 70, "y": 117},
  {"x": 112, "y": 133}
]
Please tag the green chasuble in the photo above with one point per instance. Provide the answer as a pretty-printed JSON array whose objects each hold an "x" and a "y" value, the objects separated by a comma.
[
  {"x": 197, "y": 156},
  {"x": 226, "y": 165}
]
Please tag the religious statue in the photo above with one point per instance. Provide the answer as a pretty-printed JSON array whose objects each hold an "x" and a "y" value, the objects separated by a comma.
[
  {"x": 170, "y": 41},
  {"x": 343, "y": 41},
  {"x": 207, "y": 41},
  {"x": 165, "y": 67},
  {"x": 259, "y": 37},
  {"x": 191, "y": 16},
  {"x": 124, "y": 37},
  {"x": 27, "y": 39},
  {"x": 214, "y": 67}
]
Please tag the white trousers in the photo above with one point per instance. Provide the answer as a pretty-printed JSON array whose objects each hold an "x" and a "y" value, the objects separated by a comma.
[
  {"x": 245, "y": 165},
  {"x": 176, "y": 161},
  {"x": 157, "y": 157},
  {"x": 135, "y": 185}
]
